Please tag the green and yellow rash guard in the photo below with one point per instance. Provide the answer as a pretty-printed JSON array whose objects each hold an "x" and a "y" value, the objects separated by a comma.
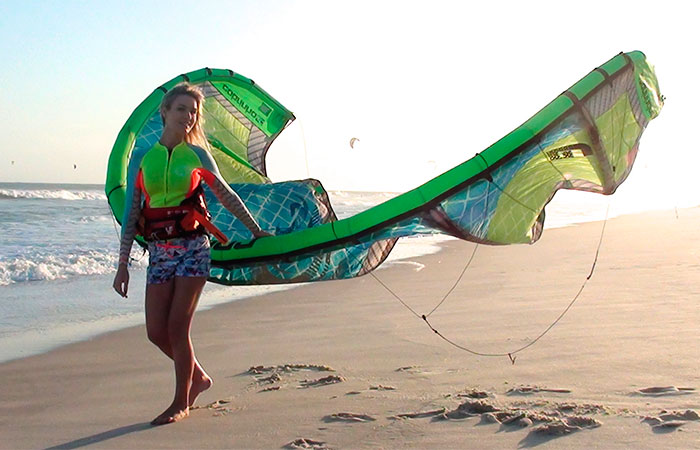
[
  {"x": 168, "y": 177},
  {"x": 161, "y": 178}
]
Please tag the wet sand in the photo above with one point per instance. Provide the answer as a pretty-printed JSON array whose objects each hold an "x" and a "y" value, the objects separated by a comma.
[{"x": 345, "y": 365}]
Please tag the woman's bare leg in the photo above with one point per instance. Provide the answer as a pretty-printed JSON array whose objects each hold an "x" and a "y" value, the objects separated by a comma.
[
  {"x": 169, "y": 311},
  {"x": 158, "y": 301}
]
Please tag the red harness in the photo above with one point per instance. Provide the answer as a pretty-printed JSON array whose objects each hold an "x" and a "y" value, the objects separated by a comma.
[{"x": 190, "y": 218}]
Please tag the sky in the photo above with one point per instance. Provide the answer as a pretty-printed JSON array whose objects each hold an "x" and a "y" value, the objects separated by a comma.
[{"x": 423, "y": 85}]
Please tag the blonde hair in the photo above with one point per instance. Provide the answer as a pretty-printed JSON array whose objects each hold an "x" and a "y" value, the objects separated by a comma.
[{"x": 196, "y": 135}]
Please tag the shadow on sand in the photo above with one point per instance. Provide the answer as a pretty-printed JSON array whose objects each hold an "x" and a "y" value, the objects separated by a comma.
[
  {"x": 534, "y": 439},
  {"x": 104, "y": 436}
]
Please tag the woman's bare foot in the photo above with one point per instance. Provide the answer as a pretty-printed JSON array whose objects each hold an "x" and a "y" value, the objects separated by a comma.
[
  {"x": 198, "y": 386},
  {"x": 172, "y": 414}
]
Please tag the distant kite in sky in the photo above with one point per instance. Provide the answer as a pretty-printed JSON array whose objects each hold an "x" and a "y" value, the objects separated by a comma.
[{"x": 352, "y": 142}]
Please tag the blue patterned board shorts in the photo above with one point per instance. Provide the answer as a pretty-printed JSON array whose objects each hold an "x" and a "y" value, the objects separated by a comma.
[{"x": 180, "y": 257}]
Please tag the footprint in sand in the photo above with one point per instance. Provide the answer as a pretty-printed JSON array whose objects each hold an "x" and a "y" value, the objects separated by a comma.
[
  {"x": 581, "y": 408},
  {"x": 670, "y": 420},
  {"x": 274, "y": 378},
  {"x": 566, "y": 425},
  {"x": 660, "y": 391},
  {"x": 304, "y": 443},
  {"x": 670, "y": 425},
  {"x": 325, "y": 381},
  {"x": 348, "y": 417},
  {"x": 689, "y": 414},
  {"x": 519, "y": 419},
  {"x": 274, "y": 375},
  {"x": 258, "y": 370},
  {"x": 553, "y": 424},
  {"x": 219, "y": 407},
  {"x": 213, "y": 405},
  {"x": 469, "y": 408}
]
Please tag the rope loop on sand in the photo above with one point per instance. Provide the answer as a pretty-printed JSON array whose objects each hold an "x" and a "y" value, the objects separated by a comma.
[{"x": 510, "y": 354}]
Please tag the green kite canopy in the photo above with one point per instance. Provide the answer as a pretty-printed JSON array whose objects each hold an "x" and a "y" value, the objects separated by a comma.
[{"x": 585, "y": 139}]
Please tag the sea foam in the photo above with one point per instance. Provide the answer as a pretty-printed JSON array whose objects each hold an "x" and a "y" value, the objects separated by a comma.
[
  {"x": 48, "y": 194},
  {"x": 55, "y": 267}
]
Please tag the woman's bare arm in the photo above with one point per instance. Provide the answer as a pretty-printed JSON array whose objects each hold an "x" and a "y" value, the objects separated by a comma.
[
  {"x": 227, "y": 196},
  {"x": 231, "y": 201},
  {"x": 129, "y": 228}
]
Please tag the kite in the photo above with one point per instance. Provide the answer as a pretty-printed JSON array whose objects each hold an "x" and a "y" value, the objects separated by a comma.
[
  {"x": 586, "y": 139},
  {"x": 352, "y": 142}
]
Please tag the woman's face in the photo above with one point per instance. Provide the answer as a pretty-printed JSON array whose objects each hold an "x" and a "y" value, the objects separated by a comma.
[{"x": 182, "y": 114}]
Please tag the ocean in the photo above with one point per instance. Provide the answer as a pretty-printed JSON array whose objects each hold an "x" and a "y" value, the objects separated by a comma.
[{"x": 58, "y": 253}]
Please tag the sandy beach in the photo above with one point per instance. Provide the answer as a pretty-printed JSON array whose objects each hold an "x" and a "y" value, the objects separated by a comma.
[{"x": 345, "y": 365}]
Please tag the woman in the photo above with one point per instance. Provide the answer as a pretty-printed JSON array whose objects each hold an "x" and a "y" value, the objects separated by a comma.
[{"x": 167, "y": 208}]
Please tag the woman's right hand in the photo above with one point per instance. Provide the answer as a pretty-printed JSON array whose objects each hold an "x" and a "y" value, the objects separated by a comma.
[{"x": 121, "y": 280}]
